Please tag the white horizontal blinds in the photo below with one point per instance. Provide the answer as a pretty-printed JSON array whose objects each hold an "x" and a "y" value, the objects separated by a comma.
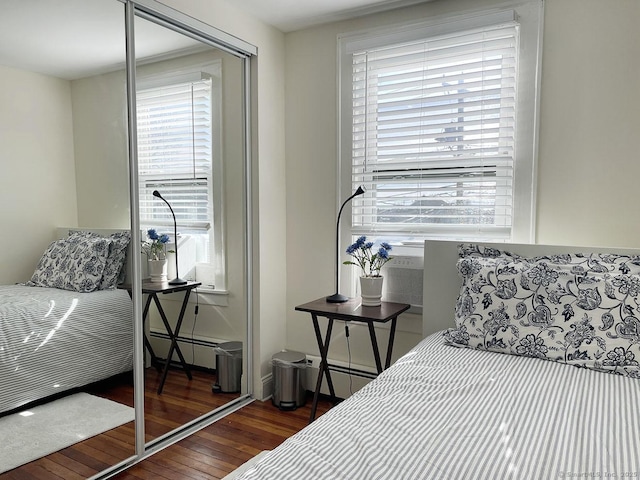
[
  {"x": 433, "y": 134},
  {"x": 174, "y": 154}
]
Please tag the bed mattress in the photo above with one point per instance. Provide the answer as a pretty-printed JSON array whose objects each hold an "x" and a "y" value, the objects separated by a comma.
[
  {"x": 53, "y": 340},
  {"x": 442, "y": 412}
]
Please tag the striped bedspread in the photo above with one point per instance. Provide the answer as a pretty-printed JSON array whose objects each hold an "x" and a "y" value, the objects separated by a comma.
[
  {"x": 441, "y": 412},
  {"x": 53, "y": 340}
]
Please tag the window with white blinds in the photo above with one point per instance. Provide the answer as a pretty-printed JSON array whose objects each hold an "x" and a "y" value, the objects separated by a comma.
[
  {"x": 433, "y": 121},
  {"x": 175, "y": 155}
]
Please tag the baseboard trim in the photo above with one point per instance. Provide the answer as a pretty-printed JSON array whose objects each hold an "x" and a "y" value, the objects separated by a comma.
[{"x": 267, "y": 387}]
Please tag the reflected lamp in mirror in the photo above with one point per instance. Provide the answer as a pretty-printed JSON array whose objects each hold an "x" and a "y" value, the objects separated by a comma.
[{"x": 177, "y": 280}]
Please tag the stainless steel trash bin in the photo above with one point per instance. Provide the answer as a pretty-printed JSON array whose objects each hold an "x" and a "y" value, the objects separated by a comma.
[
  {"x": 288, "y": 370},
  {"x": 228, "y": 367}
]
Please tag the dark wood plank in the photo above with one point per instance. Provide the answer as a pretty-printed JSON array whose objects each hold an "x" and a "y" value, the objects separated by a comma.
[{"x": 211, "y": 453}]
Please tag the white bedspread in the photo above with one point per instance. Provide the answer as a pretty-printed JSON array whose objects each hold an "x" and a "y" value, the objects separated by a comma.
[
  {"x": 442, "y": 412},
  {"x": 53, "y": 340}
]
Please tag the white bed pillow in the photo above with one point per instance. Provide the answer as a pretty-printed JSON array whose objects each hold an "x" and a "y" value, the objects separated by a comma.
[{"x": 75, "y": 264}]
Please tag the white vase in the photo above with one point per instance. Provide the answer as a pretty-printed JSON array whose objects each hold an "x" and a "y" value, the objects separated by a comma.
[
  {"x": 158, "y": 270},
  {"x": 371, "y": 291}
]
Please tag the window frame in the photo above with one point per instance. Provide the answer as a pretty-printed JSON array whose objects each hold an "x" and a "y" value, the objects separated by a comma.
[
  {"x": 529, "y": 15},
  {"x": 217, "y": 251}
]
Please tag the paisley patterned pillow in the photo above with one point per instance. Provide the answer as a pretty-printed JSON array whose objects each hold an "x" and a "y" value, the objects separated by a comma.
[
  {"x": 114, "y": 269},
  {"x": 72, "y": 265},
  {"x": 580, "y": 309}
]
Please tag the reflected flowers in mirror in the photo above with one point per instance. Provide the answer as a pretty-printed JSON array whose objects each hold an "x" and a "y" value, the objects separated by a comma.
[{"x": 154, "y": 246}]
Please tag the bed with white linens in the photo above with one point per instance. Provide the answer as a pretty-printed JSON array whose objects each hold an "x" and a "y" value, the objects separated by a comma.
[
  {"x": 531, "y": 372},
  {"x": 69, "y": 325}
]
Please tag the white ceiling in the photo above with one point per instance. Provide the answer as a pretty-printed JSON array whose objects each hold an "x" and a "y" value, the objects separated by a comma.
[
  {"x": 75, "y": 38},
  {"x": 291, "y": 15}
]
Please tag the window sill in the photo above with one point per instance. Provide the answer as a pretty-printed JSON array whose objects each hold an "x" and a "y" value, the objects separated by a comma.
[{"x": 213, "y": 296}]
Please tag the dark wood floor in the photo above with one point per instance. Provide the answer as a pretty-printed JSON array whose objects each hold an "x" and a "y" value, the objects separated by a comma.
[
  {"x": 220, "y": 448},
  {"x": 208, "y": 454}
]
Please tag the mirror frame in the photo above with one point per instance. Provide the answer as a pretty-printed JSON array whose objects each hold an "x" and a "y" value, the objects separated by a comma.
[{"x": 167, "y": 17}]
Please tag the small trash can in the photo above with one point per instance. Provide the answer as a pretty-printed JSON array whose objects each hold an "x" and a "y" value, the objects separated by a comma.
[
  {"x": 288, "y": 370},
  {"x": 228, "y": 367}
]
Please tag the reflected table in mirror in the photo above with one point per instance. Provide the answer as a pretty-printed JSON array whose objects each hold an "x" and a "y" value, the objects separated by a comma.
[{"x": 152, "y": 289}]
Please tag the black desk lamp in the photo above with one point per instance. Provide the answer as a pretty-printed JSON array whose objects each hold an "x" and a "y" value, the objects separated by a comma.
[
  {"x": 337, "y": 297},
  {"x": 177, "y": 280}
]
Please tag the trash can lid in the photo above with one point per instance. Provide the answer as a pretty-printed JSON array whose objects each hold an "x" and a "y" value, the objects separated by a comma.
[
  {"x": 290, "y": 357},
  {"x": 230, "y": 346}
]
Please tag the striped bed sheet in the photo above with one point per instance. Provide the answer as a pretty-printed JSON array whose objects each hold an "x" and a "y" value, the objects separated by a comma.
[
  {"x": 54, "y": 340},
  {"x": 442, "y": 412}
]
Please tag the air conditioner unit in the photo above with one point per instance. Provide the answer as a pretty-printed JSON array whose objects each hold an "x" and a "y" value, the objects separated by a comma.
[{"x": 403, "y": 279}]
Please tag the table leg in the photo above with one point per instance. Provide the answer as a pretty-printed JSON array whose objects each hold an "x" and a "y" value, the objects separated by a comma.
[
  {"x": 392, "y": 334},
  {"x": 147, "y": 344},
  {"x": 323, "y": 346},
  {"x": 374, "y": 346},
  {"x": 174, "y": 340}
]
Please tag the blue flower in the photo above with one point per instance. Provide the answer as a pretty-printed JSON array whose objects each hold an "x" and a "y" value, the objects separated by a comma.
[
  {"x": 363, "y": 256},
  {"x": 154, "y": 245}
]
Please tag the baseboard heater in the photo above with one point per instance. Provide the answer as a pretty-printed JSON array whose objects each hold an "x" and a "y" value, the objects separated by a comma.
[
  {"x": 197, "y": 351},
  {"x": 194, "y": 341}
]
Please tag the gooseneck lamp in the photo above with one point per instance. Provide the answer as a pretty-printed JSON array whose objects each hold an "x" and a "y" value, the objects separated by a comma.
[
  {"x": 177, "y": 280},
  {"x": 337, "y": 297}
]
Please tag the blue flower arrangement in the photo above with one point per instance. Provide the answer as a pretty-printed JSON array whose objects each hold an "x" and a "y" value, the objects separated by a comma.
[
  {"x": 154, "y": 246},
  {"x": 369, "y": 261}
]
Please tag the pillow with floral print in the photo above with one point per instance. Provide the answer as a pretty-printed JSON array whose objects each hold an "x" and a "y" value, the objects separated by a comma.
[
  {"x": 472, "y": 250},
  {"x": 114, "y": 269},
  {"x": 579, "y": 309},
  {"x": 75, "y": 265}
]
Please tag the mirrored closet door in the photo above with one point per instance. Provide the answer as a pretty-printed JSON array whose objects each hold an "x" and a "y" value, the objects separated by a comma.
[
  {"x": 66, "y": 340},
  {"x": 191, "y": 170}
]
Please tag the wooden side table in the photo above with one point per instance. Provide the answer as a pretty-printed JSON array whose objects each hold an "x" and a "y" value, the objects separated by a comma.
[
  {"x": 349, "y": 311},
  {"x": 152, "y": 290}
]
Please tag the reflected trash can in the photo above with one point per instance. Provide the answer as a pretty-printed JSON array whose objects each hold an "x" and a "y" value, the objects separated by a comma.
[
  {"x": 228, "y": 367},
  {"x": 289, "y": 370}
]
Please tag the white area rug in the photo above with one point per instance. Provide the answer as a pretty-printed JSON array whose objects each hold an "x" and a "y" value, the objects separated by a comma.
[{"x": 39, "y": 431}]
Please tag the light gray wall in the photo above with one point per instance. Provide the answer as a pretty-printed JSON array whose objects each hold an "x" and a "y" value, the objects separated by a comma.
[
  {"x": 37, "y": 179},
  {"x": 588, "y": 164},
  {"x": 101, "y": 150}
]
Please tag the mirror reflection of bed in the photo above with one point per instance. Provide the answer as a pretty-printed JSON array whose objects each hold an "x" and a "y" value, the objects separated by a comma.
[
  {"x": 65, "y": 163},
  {"x": 67, "y": 331}
]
